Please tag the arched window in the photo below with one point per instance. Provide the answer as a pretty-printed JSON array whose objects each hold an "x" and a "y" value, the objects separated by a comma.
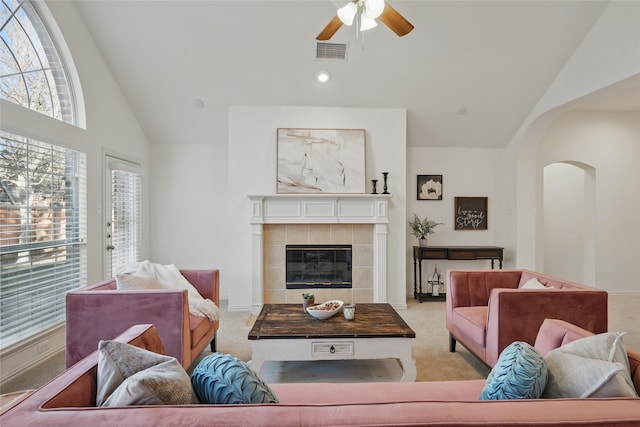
[{"x": 31, "y": 71}]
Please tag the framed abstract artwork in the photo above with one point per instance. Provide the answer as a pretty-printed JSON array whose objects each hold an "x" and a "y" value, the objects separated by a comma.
[
  {"x": 328, "y": 161},
  {"x": 470, "y": 213},
  {"x": 429, "y": 187}
]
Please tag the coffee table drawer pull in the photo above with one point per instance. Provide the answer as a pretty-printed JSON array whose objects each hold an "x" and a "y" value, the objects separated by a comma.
[{"x": 323, "y": 349}]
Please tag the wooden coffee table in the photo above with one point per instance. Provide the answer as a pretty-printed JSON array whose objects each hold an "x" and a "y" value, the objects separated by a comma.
[{"x": 283, "y": 332}]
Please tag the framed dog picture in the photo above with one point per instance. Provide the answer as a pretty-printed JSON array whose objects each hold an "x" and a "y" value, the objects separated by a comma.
[{"x": 429, "y": 187}]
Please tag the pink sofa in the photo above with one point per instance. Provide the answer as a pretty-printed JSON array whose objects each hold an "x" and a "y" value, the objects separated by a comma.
[
  {"x": 69, "y": 399},
  {"x": 101, "y": 311},
  {"x": 486, "y": 310}
]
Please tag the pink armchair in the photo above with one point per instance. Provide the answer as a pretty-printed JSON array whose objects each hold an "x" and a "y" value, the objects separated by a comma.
[
  {"x": 486, "y": 310},
  {"x": 100, "y": 312}
]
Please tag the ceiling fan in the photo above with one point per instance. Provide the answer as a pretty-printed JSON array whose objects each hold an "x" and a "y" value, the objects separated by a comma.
[{"x": 366, "y": 12}]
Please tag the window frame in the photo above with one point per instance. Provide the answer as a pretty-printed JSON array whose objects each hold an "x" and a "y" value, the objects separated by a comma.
[
  {"x": 63, "y": 87},
  {"x": 50, "y": 256}
]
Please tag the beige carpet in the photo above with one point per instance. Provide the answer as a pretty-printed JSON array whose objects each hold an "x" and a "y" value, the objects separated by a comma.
[
  {"x": 434, "y": 362},
  {"x": 430, "y": 348}
]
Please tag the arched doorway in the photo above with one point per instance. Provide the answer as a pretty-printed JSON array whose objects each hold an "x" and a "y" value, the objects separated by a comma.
[{"x": 569, "y": 221}]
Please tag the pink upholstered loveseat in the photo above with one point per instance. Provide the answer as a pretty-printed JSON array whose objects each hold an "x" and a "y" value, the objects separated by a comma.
[
  {"x": 486, "y": 310},
  {"x": 70, "y": 400},
  {"x": 100, "y": 311}
]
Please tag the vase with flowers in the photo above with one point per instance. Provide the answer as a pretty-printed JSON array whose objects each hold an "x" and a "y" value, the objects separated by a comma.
[{"x": 421, "y": 228}]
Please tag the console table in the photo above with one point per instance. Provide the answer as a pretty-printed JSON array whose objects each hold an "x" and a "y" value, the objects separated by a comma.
[{"x": 453, "y": 253}]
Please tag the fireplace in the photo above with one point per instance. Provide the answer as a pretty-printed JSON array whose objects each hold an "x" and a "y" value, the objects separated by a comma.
[
  {"x": 318, "y": 266},
  {"x": 292, "y": 219}
]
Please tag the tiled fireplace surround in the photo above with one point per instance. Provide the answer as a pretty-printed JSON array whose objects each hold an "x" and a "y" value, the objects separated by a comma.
[
  {"x": 358, "y": 220},
  {"x": 276, "y": 236}
]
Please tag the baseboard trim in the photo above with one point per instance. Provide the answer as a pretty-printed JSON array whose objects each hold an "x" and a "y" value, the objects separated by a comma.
[
  {"x": 31, "y": 353},
  {"x": 231, "y": 308}
]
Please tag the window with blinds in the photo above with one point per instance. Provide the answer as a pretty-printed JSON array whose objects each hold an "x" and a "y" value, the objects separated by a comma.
[
  {"x": 43, "y": 231},
  {"x": 124, "y": 229}
]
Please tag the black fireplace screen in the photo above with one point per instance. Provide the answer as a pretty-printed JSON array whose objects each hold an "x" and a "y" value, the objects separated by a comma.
[{"x": 318, "y": 265}]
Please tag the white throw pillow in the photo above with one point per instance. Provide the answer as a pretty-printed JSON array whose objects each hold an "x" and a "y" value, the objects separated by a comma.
[
  {"x": 595, "y": 366},
  {"x": 129, "y": 375},
  {"x": 533, "y": 283}
]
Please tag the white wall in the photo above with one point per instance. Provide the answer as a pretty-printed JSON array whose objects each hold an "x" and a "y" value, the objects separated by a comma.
[
  {"x": 110, "y": 126},
  {"x": 609, "y": 54},
  {"x": 188, "y": 205},
  {"x": 465, "y": 172},
  {"x": 252, "y": 170},
  {"x": 610, "y": 143}
]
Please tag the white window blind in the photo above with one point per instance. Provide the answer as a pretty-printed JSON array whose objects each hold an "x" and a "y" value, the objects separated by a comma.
[
  {"x": 124, "y": 227},
  {"x": 42, "y": 234}
]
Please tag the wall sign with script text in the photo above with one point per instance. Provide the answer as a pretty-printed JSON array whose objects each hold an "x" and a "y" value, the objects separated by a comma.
[{"x": 470, "y": 213}]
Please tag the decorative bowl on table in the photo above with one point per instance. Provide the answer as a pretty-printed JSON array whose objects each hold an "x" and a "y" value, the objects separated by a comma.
[{"x": 326, "y": 309}]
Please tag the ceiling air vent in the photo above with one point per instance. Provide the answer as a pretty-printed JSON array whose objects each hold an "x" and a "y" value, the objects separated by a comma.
[{"x": 337, "y": 51}]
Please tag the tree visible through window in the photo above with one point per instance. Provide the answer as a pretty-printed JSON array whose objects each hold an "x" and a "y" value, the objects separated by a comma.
[
  {"x": 31, "y": 72},
  {"x": 42, "y": 234},
  {"x": 42, "y": 186}
]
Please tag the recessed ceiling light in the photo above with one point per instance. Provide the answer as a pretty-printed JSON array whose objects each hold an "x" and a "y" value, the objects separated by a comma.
[{"x": 323, "y": 76}]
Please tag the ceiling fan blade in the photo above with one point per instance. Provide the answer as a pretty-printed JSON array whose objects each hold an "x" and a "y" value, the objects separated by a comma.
[
  {"x": 331, "y": 28},
  {"x": 395, "y": 21}
]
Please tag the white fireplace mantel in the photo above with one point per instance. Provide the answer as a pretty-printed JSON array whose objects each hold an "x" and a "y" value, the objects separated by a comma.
[{"x": 320, "y": 209}]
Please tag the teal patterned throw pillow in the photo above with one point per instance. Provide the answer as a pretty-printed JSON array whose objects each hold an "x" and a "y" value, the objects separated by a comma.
[
  {"x": 520, "y": 373},
  {"x": 223, "y": 379}
]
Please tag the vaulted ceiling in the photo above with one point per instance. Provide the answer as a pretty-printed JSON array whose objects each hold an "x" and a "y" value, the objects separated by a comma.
[{"x": 468, "y": 74}]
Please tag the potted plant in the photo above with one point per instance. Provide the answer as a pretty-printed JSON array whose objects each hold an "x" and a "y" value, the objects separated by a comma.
[
  {"x": 308, "y": 299},
  {"x": 420, "y": 228}
]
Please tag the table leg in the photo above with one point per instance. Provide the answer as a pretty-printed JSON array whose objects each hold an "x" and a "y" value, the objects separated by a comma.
[
  {"x": 415, "y": 289},
  {"x": 257, "y": 357},
  {"x": 420, "y": 280},
  {"x": 409, "y": 371}
]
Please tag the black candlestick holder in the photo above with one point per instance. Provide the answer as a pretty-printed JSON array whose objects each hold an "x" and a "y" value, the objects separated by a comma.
[
  {"x": 374, "y": 182},
  {"x": 384, "y": 175}
]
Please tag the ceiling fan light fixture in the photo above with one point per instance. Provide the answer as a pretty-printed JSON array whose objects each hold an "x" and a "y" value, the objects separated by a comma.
[
  {"x": 365, "y": 13},
  {"x": 373, "y": 8},
  {"x": 367, "y": 23},
  {"x": 347, "y": 13}
]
